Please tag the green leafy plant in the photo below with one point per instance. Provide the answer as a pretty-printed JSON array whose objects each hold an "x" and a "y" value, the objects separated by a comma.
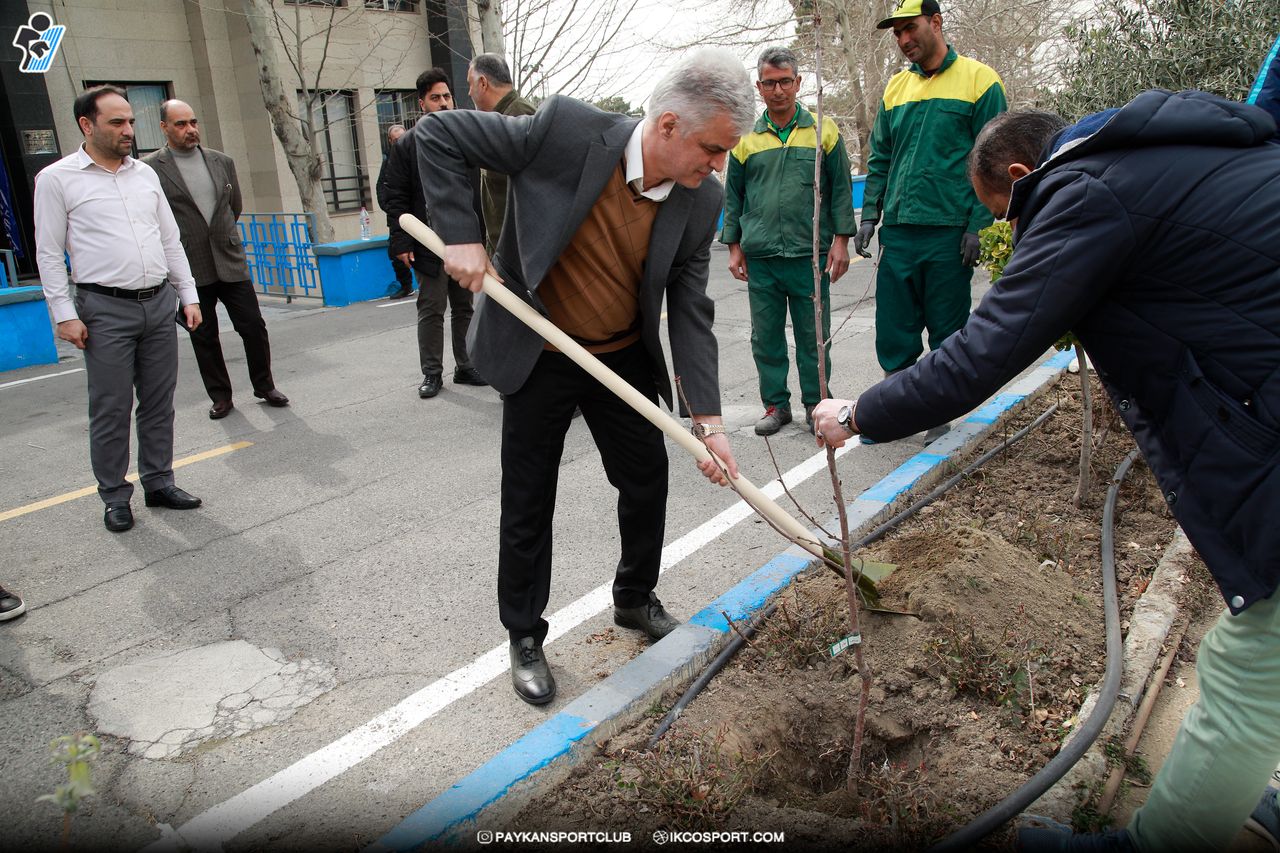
[
  {"x": 77, "y": 753},
  {"x": 996, "y": 242}
]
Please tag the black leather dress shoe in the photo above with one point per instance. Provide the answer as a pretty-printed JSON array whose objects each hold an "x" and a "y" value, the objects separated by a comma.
[
  {"x": 530, "y": 675},
  {"x": 402, "y": 293},
  {"x": 272, "y": 397},
  {"x": 220, "y": 409},
  {"x": 118, "y": 517},
  {"x": 649, "y": 617},
  {"x": 430, "y": 386},
  {"x": 468, "y": 376},
  {"x": 172, "y": 497}
]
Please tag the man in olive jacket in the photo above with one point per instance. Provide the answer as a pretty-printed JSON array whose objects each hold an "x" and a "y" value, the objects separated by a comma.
[{"x": 1188, "y": 347}]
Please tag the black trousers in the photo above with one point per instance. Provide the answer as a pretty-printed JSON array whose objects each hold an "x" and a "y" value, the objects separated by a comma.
[
  {"x": 534, "y": 422},
  {"x": 241, "y": 302},
  {"x": 404, "y": 275}
]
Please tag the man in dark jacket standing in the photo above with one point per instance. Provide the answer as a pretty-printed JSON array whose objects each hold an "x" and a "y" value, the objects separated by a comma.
[
  {"x": 403, "y": 194},
  {"x": 404, "y": 275},
  {"x": 203, "y": 190},
  {"x": 1189, "y": 350}
]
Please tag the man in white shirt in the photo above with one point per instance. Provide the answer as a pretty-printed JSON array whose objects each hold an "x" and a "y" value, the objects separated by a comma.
[{"x": 107, "y": 212}]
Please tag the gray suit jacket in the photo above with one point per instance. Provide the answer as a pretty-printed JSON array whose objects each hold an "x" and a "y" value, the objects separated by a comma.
[
  {"x": 559, "y": 160},
  {"x": 214, "y": 249}
]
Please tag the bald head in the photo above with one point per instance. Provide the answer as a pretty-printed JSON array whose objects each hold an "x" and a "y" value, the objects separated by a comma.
[{"x": 178, "y": 121}]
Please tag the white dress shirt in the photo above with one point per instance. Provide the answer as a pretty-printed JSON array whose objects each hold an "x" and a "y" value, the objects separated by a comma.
[
  {"x": 633, "y": 168},
  {"x": 116, "y": 227}
]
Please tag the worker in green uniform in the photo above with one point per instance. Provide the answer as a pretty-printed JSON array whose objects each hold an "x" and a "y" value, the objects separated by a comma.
[
  {"x": 918, "y": 191},
  {"x": 768, "y": 227}
]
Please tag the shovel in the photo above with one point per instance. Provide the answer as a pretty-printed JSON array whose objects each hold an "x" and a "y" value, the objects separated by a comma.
[{"x": 756, "y": 499}]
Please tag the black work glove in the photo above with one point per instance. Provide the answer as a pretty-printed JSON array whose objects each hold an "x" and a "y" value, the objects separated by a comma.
[
  {"x": 862, "y": 239},
  {"x": 970, "y": 249}
]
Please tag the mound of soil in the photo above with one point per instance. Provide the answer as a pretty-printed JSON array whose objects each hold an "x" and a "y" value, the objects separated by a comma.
[{"x": 968, "y": 697}]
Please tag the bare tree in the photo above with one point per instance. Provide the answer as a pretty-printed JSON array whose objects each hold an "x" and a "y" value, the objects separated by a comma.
[
  {"x": 307, "y": 39},
  {"x": 572, "y": 47}
]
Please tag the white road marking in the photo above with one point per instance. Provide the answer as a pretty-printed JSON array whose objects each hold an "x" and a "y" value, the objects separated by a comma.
[
  {"x": 38, "y": 378},
  {"x": 404, "y": 300},
  {"x": 211, "y": 829}
]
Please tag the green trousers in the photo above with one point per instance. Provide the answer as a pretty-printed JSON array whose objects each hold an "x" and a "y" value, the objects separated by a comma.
[
  {"x": 774, "y": 286},
  {"x": 1228, "y": 743},
  {"x": 920, "y": 284}
]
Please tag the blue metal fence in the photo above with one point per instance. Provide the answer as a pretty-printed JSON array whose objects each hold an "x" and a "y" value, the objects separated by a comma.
[{"x": 278, "y": 248}]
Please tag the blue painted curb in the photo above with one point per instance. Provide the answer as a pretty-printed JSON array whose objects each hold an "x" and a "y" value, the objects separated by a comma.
[{"x": 451, "y": 817}]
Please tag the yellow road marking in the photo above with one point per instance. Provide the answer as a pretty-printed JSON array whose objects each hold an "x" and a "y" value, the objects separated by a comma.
[{"x": 132, "y": 478}]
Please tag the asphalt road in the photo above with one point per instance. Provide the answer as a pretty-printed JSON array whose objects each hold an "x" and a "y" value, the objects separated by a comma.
[{"x": 316, "y": 651}]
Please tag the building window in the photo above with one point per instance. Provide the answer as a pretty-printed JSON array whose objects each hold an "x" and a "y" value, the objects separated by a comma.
[
  {"x": 392, "y": 5},
  {"x": 342, "y": 177},
  {"x": 145, "y": 98},
  {"x": 396, "y": 106}
]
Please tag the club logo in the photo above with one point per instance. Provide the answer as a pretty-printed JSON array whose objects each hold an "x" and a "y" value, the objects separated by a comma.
[{"x": 38, "y": 39}]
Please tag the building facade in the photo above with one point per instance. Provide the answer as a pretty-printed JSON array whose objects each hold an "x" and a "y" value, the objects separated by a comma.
[{"x": 361, "y": 56}]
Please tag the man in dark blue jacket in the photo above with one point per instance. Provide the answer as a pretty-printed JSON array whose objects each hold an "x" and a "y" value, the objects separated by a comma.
[
  {"x": 1188, "y": 347},
  {"x": 1266, "y": 89}
]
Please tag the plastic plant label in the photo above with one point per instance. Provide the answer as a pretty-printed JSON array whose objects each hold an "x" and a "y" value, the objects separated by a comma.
[{"x": 851, "y": 640}]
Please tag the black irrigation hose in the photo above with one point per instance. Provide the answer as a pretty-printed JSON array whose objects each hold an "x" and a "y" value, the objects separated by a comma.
[
  {"x": 968, "y": 836},
  {"x": 736, "y": 642}
]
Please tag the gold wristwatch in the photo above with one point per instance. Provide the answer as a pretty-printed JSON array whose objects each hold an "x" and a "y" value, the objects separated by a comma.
[{"x": 704, "y": 430}]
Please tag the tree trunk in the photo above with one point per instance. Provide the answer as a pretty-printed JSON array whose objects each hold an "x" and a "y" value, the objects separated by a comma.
[
  {"x": 491, "y": 40},
  {"x": 302, "y": 159},
  {"x": 1086, "y": 436}
]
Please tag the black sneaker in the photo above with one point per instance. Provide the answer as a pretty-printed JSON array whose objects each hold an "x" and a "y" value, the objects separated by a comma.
[
  {"x": 431, "y": 384},
  {"x": 649, "y": 617},
  {"x": 468, "y": 376},
  {"x": 402, "y": 293},
  {"x": 11, "y": 606}
]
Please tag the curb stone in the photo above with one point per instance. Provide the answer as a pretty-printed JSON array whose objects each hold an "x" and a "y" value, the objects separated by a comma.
[
  {"x": 498, "y": 789},
  {"x": 1153, "y": 615}
]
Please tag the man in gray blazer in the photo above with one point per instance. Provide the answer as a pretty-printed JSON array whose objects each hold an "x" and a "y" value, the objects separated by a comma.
[
  {"x": 606, "y": 216},
  {"x": 204, "y": 193}
]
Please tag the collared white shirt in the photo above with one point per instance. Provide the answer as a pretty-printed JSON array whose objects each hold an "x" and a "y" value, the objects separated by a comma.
[
  {"x": 633, "y": 168},
  {"x": 116, "y": 227}
]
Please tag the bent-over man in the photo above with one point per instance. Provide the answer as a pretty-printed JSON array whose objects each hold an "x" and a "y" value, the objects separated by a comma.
[
  {"x": 607, "y": 216},
  {"x": 1192, "y": 362}
]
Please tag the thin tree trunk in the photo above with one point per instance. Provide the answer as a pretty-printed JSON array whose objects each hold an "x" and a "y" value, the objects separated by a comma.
[
  {"x": 1086, "y": 437},
  {"x": 304, "y": 164},
  {"x": 850, "y": 574},
  {"x": 491, "y": 27}
]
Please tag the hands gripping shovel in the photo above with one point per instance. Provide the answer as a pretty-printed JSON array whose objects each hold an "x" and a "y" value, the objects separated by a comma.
[{"x": 756, "y": 499}]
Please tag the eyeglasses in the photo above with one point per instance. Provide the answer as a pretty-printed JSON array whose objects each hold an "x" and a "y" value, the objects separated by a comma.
[{"x": 770, "y": 85}]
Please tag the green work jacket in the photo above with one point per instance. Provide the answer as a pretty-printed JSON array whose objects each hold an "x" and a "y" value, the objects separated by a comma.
[
  {"x": 924, "y": 130},
  {"x": 768, "y": 192}
]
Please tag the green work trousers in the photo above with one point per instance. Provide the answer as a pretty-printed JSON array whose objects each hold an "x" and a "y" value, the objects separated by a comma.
[
  {"x": 775, "y": 285},
  {"x": 920, "y": 284},
  {"x": 1227, "y": 746}
]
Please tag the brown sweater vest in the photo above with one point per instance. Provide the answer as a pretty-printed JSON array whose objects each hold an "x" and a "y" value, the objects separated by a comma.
[{"x": 592, "y": 292}]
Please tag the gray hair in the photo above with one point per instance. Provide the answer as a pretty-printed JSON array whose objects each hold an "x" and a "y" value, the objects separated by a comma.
[
  {"x": 778, "y": 57},
  {"x": 705, "y": 82},
  {"x": 493, "y": 67},
  {"x": 392, "y": 130}
]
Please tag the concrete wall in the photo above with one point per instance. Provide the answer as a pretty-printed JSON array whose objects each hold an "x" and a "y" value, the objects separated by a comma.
[{"x": 203, "y": 50}]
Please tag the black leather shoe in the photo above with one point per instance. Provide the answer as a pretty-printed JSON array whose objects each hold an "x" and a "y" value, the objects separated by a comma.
[
  {"x": 650, "y": 617},
  {"x": 272, "y": 397},
  {"x": 118, "y": 517},
  {"x": 220, "y": 409},
  {"x": 530, "y": 675},
  {"x": 171, "y": 497},
  {"x": 468, "y": 376},
  {"x": 430, "y": 386},
  {"x": 402, "y": 293}
]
